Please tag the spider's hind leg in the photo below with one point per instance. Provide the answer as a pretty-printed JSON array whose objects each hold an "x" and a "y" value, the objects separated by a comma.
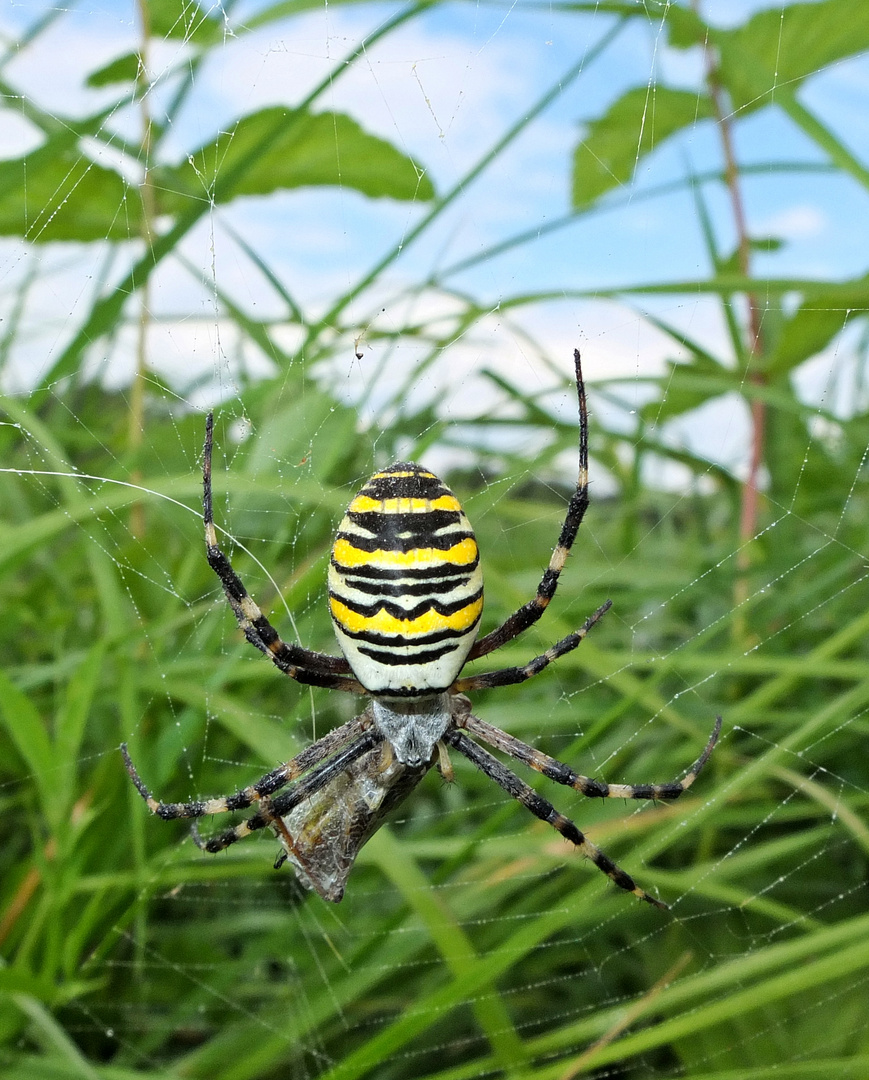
[
  {"x": 556, "y": 770},
  {"x": 273, "y": 810},
  {"x": 264, "y": 787},
  {"x": 544, "y": 810},
  {"x": 196, "y": 809}
]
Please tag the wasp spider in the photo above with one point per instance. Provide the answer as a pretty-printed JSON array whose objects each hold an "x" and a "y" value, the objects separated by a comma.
[{"x": 406, "y": 596}]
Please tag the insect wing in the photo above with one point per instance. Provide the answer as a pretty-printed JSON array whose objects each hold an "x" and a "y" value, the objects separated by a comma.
[{"x": 323, "y": 835}]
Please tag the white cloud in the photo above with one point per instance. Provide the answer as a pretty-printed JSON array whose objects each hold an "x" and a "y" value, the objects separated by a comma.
[{"x": 795, "y": 223}]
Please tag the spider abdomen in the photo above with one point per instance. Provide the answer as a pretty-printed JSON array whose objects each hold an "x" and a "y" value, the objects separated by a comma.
[{"x": 405, "y": 585}]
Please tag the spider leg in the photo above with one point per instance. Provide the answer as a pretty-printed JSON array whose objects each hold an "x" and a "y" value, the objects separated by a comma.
[
  {"x": 546, "y": 812},
  {"x": 556, "y": 770},
  {"x": 529, "y": 613},
  {"x": 509, "y": 676},
  {"x": 272, "y": 810},
  {"x": 264, "y": 787},
  {"x": 317, "y": 669}
]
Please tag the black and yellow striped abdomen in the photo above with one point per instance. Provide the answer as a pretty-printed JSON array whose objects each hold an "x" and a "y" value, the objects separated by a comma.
[{"x": 405, "y": 585}]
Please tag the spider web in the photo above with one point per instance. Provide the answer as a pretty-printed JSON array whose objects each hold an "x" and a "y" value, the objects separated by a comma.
[{"x": 464, "y": 196}]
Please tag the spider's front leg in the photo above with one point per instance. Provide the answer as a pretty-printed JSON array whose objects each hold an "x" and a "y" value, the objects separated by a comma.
[
  {"x": 512, "y": 675},
  {"x": 312, "y": 668},
  {"x": 530, "y": 612}
]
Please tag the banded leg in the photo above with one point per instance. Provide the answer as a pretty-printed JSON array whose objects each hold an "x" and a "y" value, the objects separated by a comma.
[
  {"x": 544, "y": 810},
  {"x": 509, "y": 676},
  {"x": 529, "y": 613},
  {"x": 272, "y": 810},
  {"x": 313, "y": 668},
  {"x": 264, "y": 787},
  {"x": 556, "y": 770}
]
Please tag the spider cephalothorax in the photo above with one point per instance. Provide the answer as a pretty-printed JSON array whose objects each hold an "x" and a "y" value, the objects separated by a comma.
[{"x": 406, "y": 597}]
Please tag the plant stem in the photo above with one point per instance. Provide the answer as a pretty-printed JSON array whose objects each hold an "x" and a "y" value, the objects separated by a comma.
[
  {"x": 750, "y": 505},
  {"x": 136, "y": 425}
]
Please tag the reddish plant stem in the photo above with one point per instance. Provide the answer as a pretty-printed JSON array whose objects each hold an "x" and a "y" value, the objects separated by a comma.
[{"x": 750, "y": 507}]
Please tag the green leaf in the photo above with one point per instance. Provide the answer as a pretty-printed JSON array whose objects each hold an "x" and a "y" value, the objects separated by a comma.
[
  {"x": 685, "y": 28},
  {"x": 19, "y": 981},
  {"x": 783, "y": 46},
  {"x": 779, "y": 47},
  {"x": 279, "y": 149},
  {"x": 123, "y": 69},
  {"x": 730, "y": 264},
  {"x": 822, "y": 314},
  {"x": 72, "y": 717},
  {"x": 183, "y": 19},
  {"x": 56, "y": 193},
  {"x": 631, "y": 128},
  {"x": 283, "y": 9},
  {"x": 26, "y": 729},
  {"x": 688, "y": 386},
  {"x": 767, "y": 243}
]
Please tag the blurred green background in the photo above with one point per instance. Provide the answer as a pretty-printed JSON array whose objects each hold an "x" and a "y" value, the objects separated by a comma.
[{"x": 471, "y": 942}]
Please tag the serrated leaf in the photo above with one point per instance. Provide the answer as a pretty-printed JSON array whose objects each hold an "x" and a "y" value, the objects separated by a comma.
[
  {"x": 56, "y": 193},
  {"x": 800, "y": 39},
  {"x": 630, "y": 129},
  {"x": 123, "y": 69},
  {"x": 279, "y": 148},
  {"x": 779, "y": 47},
  {"x": 783, "y": 46}
]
